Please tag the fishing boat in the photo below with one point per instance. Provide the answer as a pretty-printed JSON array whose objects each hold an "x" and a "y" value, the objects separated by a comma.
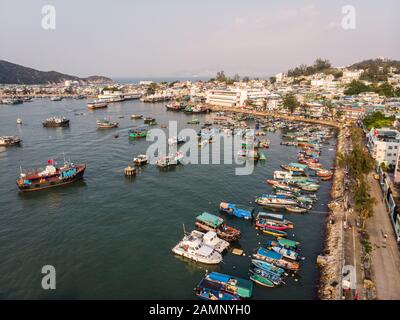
[
  {"x": 276, "y": 259},
  {"x": 284, "y": 243},
  {"x": 19, "y": 121},
  {"x": 57, "y": 98},
  {"x": 282, "y": 175},
  {"x": 170, "y": 160},
  {"x": 136, "y": 116},
  {"x": 324, "y": 173},
  {"x": 149, "y": 120},
  {"x": 261, "y": 281},
  {"x": 206, "y": 222},
  {"x": 292, "y": 169},
  {"x": 7, "y": 141},
  {"x": 292, "y": 255},
  {"x": 237, "y": 286},
  {"x": 194, "y": 121},
  {"x": 55, "y": 122},
  {"x": 263, "y": 265},
  {"x": 275, "y": 203},
  {"x": 273, "y": 221},
  {"x": 296, "y": 209},
  {"x": 138, "y": 133},
  {"x": 210, "y": 290},
  {"x": 233, "y": 209},
  {"x": 141, "y": 160},
  {"x": 282, "y": 186},
  {"x": 106, "y": 124},
  {"x": 211, "y": 239},
  {"x": 51, "y": 176},
  {"x": 275, "y": 279},
  {"x": 273, "y": 232},
  {"x": 193, "y": 248},
  {"x": 97, "y": 104}
]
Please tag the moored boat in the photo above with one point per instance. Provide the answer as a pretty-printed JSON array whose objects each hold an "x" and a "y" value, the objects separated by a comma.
[
  {"x": 141, "y": 160},
  {"x": 207, "y": 222},
  {"x": 237, "y": 286},
  {"x": 97, "y": 104},
  {"x": 233, "y": 209},
  {"x": 273, "y": 232},
  {"x": 106, "y": 124}
]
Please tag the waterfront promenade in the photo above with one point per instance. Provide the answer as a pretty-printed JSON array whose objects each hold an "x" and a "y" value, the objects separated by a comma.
[{"x": 385, "y": 252}]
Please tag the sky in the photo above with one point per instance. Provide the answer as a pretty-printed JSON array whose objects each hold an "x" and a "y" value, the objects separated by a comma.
[{"x": 164, "y": 38}]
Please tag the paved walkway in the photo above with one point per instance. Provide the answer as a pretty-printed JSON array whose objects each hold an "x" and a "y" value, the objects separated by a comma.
[{"x": 385, "y": 254}]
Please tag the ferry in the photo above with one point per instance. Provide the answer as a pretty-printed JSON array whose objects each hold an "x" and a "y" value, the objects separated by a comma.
[
  {"x": 97, "y": 104},
  {"x": 51, "y": 176}
]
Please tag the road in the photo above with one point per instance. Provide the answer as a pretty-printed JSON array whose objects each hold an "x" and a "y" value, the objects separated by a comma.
[{"x": 385, "y": 254}]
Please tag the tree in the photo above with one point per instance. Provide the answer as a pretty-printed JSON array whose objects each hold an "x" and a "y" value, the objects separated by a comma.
[
  {"x": 236, "y": 78},
  {"x": 246, "y": 79},
  {"x": 272, "y": 80},
  {"x": 221, "y": 77},
  {"x": 290, "y": 103}
]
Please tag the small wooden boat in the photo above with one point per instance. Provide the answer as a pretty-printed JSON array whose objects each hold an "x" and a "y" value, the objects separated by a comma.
[
  {"x": 274, "y": 278},
  {"x": 268, "y": 267},
  {"x": 137, "y": 133},
  {"x": 194, "y": 121},
  {"x": 141, "y": 160},
  {"x": 106, "y": 124},
  {"x": 136, "y": 116},
  {"x": 19, "y": 121},
  {"x": 273, "y": 232}
]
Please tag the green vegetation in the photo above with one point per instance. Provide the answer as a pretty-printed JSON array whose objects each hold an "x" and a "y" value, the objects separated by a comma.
[
  {"x": 272, "y": 80},
  {"x": 377, "y": 70},
  {"x": 378, "y": 120},
  {"x": 359, "y": 163},
  {"x": 290, "y": 103},
  {"x": 320, "y": 65},
  {"x": 384, "y": 89}
]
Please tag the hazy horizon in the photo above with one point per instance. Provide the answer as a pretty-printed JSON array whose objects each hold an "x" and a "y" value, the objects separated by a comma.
[{"x": 134, "y": 39}]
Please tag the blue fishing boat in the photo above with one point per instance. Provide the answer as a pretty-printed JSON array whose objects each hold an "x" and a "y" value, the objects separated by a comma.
[
  {"x": 235, "y": 210},
  {"x": 292, "y": 255},
  {"x": 237, "y": 286},
  {"x": 275, "y": 279},
  {"x": 209, "y": 290},
  {"x": 268, "y": 267},
  {"x": 276, "y": 259}
]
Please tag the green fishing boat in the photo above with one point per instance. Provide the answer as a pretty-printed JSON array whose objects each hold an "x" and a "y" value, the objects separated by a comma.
[
  {"x": 137, "y": 133},
  {"x": 261, "y": 281}
]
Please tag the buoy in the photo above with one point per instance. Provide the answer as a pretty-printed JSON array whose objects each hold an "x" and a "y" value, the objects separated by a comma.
[{"x": 129, "y": 171}]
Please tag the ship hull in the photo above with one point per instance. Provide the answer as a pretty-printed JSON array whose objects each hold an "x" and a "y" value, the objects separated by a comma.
[{"x": 56, "y": 125}]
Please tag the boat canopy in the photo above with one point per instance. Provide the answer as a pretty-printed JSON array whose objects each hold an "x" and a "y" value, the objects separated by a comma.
[
  {"x": 205, "y": 251},
  {"x": 288, "y": 243},
  {"x": 210, "y": 285},
  {"x": 269, "y": 253},
  {"x": 210, "y": 219},
  {"x": 244, "y": 287}
]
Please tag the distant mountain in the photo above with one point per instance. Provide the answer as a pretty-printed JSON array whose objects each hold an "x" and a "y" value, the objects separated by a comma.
[
  {"x": 11, "y": 73},
  {"x": 376, "y": 63}
]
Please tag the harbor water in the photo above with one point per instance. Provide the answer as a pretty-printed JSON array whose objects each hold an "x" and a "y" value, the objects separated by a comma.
[{"x": 110, "y": 237}]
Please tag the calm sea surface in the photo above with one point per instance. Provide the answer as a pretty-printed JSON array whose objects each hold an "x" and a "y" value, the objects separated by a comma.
[{"x": 111, "y": 237}]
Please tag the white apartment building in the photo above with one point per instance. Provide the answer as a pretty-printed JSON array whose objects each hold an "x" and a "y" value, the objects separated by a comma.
[
  {"x": 234, "y": 97},
  {"x": 384, "y": 145},
  {"x": 349, "y": 75}
]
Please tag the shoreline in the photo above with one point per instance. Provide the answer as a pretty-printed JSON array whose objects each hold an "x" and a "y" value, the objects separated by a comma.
[{"x": 330, "y": 260}]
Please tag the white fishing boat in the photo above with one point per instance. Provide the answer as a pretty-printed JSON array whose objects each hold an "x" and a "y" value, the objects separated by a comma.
[
  {"x": 275, "y": 203},
  {"x": 192, "y": 247},
  {"x": 141, "y": 160},
  {"x": 19, "y": 121},
  {"x": 211, "y": 239},
  {"x": 282, "y": 175}
]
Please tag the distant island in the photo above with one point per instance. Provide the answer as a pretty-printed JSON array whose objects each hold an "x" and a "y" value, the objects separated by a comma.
[{"x": 11, "y": 73}]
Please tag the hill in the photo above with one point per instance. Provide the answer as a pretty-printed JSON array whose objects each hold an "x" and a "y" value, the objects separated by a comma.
[{"x": 11, "y": 73}]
